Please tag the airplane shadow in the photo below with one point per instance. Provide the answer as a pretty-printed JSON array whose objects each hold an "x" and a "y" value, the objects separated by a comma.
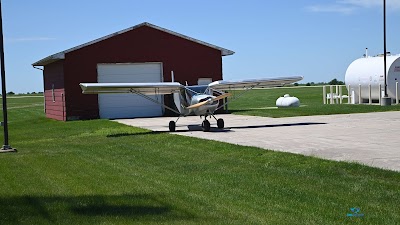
[
  {"x": 276, "y": 125},
  {"x": 192, "y": 128},
  {"x": 189, "y": 128},
  {"x": 199, "y": 128}
]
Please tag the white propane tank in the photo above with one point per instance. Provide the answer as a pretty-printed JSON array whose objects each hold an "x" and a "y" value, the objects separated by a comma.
[
  {"x": 287, "y": 101},
  {"x": 369, "y": 71}
]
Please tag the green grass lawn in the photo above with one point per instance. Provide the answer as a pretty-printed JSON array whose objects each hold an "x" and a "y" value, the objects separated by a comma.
[
  {"x": 259, "y": 102},
  {"x": 102, "y": 172}
]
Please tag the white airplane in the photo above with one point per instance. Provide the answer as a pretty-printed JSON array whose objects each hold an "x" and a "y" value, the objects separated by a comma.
[{"x": 189, "y": 100}]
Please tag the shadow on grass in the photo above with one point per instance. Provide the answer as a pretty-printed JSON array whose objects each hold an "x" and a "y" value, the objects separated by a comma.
[
  {"x": 191, "y": 128},
  {"x": 213, "y": 129},
  {"x": 232, "y": 111},
  {"x": 76, "y": 209}
]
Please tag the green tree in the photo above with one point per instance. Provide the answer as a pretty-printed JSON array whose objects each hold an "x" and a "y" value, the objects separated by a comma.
[{"x": 335, "y": 82}]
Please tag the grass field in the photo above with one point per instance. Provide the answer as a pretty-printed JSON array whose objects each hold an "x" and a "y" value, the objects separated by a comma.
[
  {"x": 259, "y": 102},
  {"x": 102, "y": 172}
]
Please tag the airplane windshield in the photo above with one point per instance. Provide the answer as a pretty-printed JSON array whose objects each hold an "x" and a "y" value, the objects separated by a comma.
[{"x": 198, "y": 89}]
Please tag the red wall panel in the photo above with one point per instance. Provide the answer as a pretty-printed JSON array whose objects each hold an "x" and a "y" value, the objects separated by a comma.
[{"x": 54, "y": 85}]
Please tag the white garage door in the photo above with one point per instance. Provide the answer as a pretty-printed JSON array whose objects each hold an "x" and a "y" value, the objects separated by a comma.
[{"x": 114, "y": 106}]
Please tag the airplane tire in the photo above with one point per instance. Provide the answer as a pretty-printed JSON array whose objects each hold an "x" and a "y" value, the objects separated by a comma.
[
  {"x": 172, "y": 126},
  {"x": 206, "y": 126},
  {"x": 220, "y": 123}
]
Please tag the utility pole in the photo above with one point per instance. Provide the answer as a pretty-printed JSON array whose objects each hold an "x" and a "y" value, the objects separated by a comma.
[
  {"x": 6, "y": 147},
  {"x": 385, "y": 99}
]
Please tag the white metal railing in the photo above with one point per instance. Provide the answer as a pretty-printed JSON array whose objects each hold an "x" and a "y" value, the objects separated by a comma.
[{"x": 336, "y": 97}]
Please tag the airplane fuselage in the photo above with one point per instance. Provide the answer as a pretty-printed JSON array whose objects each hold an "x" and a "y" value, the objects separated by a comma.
[
  {"x": 193, "y": 95},
  {"x": 206, "y": 109}
]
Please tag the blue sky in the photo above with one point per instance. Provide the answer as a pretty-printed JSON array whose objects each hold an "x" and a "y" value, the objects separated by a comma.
[{"x": 316, "y": 39}]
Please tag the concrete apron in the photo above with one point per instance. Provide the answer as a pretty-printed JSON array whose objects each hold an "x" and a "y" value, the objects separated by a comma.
[{"x": 369, "y": 138}]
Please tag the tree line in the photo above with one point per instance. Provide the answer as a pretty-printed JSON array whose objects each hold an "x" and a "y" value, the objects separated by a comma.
[
  {"x": 332, "y": 82},
  {"x": 27, "y": 93}
]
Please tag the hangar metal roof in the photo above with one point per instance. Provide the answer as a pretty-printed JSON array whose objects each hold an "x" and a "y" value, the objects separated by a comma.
[{"x": 61, "y": 55}]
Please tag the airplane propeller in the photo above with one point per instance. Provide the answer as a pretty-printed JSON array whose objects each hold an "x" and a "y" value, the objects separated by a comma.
[
  {"x": 222, "y": 96},
  {"x": 209, "y": 100}
]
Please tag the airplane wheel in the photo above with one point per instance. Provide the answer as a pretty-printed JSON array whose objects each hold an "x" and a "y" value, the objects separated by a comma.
[
  {"x": 172, "y": 126},
  {"x": 220, "y": 123},
  {"x": 206, "y": 126}
]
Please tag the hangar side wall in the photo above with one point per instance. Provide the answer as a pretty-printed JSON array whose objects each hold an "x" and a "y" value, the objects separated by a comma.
[
  {"x": 189, "y": 61},
  {"x": 54, "y": 92}
]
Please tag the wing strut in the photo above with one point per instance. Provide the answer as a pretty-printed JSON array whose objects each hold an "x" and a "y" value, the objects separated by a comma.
[
  {"x": 155, "y": 101},
  {"x": 236, "y": 96}
]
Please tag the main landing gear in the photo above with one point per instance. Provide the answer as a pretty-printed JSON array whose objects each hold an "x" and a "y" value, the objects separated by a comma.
[
  {"x": 220, "y": 123},
  {"x": 172, "y": 126},
  {"x": 205, "y": 125}
]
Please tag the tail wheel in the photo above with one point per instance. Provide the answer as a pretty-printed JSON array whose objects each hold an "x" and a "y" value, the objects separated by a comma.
[
  {"x": 206, "y": 126},
  {"x": 220, "y": 123},
  {"x": 172, "y": 126}
]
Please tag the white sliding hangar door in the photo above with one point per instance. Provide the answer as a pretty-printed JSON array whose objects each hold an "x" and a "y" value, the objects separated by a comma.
[{"x": 113, "y": 106}]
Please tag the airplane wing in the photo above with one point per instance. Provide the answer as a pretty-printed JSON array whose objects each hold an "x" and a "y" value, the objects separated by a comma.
[
  {"x": 142, "y": 88},
  {"x": 249, "y": 84}
]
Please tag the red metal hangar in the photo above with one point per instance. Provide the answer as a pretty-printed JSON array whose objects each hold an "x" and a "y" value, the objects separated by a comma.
[{"x": 143, "y": 53}]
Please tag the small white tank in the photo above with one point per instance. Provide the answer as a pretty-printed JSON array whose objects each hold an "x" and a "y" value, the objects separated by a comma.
[
  {"x": 369, "y": 71},
  {"x": 287, "y": 101}
]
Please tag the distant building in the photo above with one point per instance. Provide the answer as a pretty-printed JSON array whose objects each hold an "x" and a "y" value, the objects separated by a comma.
[{"x": 143, "y": 53}]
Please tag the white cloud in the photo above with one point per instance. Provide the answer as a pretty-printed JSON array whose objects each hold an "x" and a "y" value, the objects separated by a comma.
[
  {"x": 361, "y": 3},
  {"x": 29, "y": 39},
  {"x": 391, "y": 4},
  {"x": 334, "y": 8},
  {"x": 350, "y": 6}
]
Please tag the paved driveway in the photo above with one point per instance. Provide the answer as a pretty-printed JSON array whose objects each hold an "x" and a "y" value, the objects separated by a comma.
[{"x": 369, "y": 138}]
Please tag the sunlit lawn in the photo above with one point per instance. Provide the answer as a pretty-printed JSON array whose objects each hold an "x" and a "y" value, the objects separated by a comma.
[
  {"x": 261, "y": 102},
  {"x": 102, "y": 172}
]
